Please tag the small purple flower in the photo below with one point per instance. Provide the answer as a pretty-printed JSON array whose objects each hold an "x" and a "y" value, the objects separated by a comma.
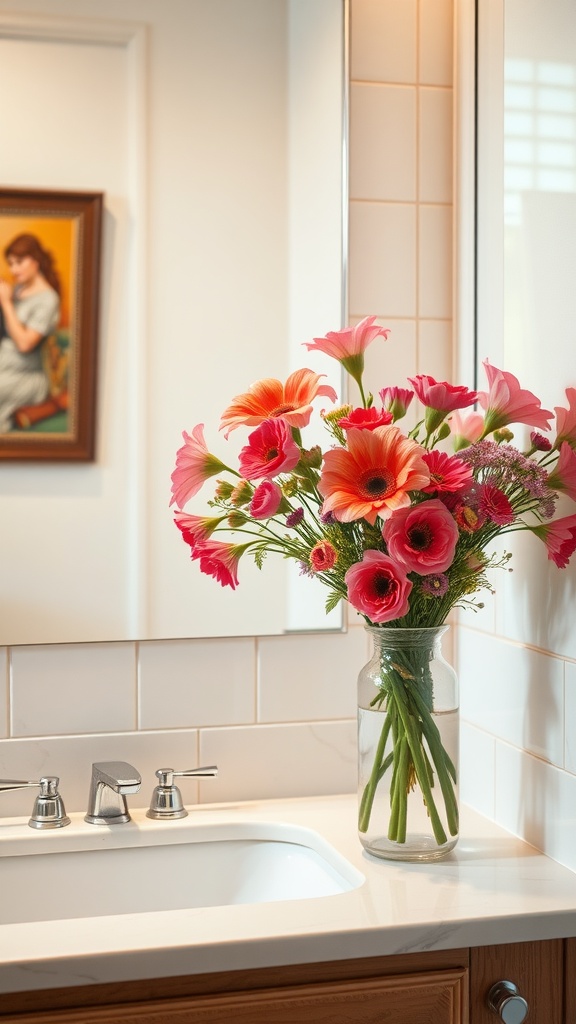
[
  {"x": 295, "y": 517},
  {"x": 435, "y": 585},
  {"x": 327, "y": 518},
  {"x": 304, "y": 570}
]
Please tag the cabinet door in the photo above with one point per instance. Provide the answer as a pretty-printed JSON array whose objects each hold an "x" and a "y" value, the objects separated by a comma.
[
  {"x": 536, "y": 968},
  {"x": 438, "y": 997}
]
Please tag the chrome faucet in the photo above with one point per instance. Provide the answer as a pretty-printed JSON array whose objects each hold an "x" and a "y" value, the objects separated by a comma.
[{"x": 111, "y": 782}]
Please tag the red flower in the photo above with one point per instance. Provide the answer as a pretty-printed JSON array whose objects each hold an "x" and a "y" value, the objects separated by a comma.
[
  {"x": 266, "y": 500},
  {"x": 378, "y": 587},
  {"x": 366, "y": 419},
  {"x": 196, "y": 529},
  {"x": 495, "y": 505},
  {"x": 559, "y": 537},
  {"x": 271, "y": 449},
  {"x": 220, "y": 561},
  {"x": 422, "y": 537},
  {"x": 447, "y": 473},
  {"x": 323, "y": 556}
]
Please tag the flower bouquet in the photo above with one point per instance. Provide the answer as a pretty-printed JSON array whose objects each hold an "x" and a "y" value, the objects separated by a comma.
[{"x": 397, "y": 523}]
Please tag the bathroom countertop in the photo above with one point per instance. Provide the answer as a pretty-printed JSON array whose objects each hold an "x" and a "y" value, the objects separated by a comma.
[{"x": 492, "y": 888}]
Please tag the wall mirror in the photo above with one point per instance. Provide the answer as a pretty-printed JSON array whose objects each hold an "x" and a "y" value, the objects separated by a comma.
[{"x": 217, "y": 133}]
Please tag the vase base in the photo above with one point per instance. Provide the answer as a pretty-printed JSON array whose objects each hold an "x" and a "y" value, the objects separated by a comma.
[{"x": 416, "y": 849}]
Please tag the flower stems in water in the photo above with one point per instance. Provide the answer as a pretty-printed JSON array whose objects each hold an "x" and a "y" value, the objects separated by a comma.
[{"x": 410, "y": 746}]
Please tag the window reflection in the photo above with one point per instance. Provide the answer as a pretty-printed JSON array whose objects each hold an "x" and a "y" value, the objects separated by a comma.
[{"x": 539, "y": 131}]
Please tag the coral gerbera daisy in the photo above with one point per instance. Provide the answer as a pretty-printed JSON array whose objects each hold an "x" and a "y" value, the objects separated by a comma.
[
  {"x": 270, "y": 399},
  {"x": 373, "y": 476}
]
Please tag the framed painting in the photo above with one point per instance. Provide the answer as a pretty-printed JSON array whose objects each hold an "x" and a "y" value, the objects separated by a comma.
[{"x": 50, "y": 243}]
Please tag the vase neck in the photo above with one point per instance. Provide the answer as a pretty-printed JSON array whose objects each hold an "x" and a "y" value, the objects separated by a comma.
[{"x": 406, "y": 638}]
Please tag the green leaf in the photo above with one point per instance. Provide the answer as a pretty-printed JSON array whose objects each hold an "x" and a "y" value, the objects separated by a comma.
[
  {"x": 259, "y": 556},
  {"x": 332, "y": 600}
]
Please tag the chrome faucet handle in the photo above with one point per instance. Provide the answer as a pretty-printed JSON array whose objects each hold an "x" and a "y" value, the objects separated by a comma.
[
  {"x": 111, "y": 781},
  {"x": 166, "y": 802},
  {"x": 49, "y": 810}
]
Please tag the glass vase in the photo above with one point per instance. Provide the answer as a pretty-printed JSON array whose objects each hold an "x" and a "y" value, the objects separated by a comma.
[{"x": 408, "y": 730}]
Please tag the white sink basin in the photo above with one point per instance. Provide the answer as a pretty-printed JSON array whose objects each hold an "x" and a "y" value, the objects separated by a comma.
[{"x": 166, "y": 868}]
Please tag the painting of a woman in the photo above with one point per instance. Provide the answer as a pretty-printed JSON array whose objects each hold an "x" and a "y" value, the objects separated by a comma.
[{"x": 30, "y": 308}]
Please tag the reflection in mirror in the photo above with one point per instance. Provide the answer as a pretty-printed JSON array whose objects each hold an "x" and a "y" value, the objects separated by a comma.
[{"x": 217, "y": 137}]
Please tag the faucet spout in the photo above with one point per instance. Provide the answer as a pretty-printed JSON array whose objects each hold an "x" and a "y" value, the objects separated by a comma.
[{"x": 111, "y": 782}]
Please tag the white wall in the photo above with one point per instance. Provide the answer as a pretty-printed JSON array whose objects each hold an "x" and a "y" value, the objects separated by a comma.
[
  {"x": 517, "y": 660},
  {"x": 276, "y": 714}
]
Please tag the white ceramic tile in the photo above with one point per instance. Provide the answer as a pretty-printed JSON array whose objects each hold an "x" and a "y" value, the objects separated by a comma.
[
  {"x": 477, "y": 752},
  {"x": 537, "y": 598},
  {"x": 436, "y": 42},
  {"x": 4, "y": 691},
  {"x": 187, "y": 683},
  {"x": 570, "y": 716},
  {"x": 383, "y": 40},
  {"x": 435, "y": 145},
  {"x": 382, "y": 259},
  {"x": 435, "y": 349},
  {"x": 279, "y": 761},
  {"x": 304, "y": 678},
  {"x": 73, "y": 688},
  {"x": 71, "y": 758},
  {"x": 383, "y": 142},
  {"x": 514, "y": 693},
  {"x": 435, "y": 262},
  {"x": 536, "y": 801}
]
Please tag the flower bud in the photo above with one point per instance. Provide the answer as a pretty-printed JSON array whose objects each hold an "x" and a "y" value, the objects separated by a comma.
[
  {"x": 242, "y": 493},
  {"x": 503, "y": 435},
  {"x": 224, "y": 490}
]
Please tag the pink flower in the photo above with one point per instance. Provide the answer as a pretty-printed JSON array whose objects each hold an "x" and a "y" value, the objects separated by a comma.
[
  {"x": 378, "y": 587},
  {"x": 271, "y": 449},
  {"x": 220, "y": 561},
  {"x": 559, "y": 537},
  {"x": 422, "y": 537},
  {"x": 506, "y": 402},
  {"x": 563, "y": 476},
  {"x": 196, "y": 529},
  {"x": 348, "y": 346},
  {"x": 194, "y": 465},
  {"x": 366, "y": 419},
  {"x": 440, "y": 398},
  {"x": 266, "y": 500},
  {"x": 323, "y": 556},
  {"x": 466, "y": 429},
  {"x": 396, "y": 400},
  {"x": 495, "y": 505},
  {"x": 566, "y": 420},
  {"x": 447, "y": 473}
]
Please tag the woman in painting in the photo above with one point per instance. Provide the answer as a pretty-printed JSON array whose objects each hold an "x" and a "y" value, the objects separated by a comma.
[{"x": 30, "y": 313}]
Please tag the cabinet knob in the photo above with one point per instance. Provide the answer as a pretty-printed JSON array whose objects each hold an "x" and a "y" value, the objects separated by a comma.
[{"x": 505, "y": 1000}]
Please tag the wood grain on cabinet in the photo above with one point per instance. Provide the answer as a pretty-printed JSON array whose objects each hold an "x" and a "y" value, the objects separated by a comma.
[
  {"x": 536, "y": 968},
  {"x": 440, "y": 997},
  {"x": 570, "y": 981},
  {"x": 223, "y": 982}
]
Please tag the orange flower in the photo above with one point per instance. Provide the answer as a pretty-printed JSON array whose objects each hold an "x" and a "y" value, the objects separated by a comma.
[
  {"x": 270, "y": 399},
  {"x": 373, "y": 475}
]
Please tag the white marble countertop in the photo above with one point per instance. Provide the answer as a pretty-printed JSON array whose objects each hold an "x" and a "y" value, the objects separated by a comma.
[{"x": 492, "y": 888}]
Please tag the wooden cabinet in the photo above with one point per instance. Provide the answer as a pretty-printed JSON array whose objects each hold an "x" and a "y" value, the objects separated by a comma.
[{"x": 445, "y": 987}]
